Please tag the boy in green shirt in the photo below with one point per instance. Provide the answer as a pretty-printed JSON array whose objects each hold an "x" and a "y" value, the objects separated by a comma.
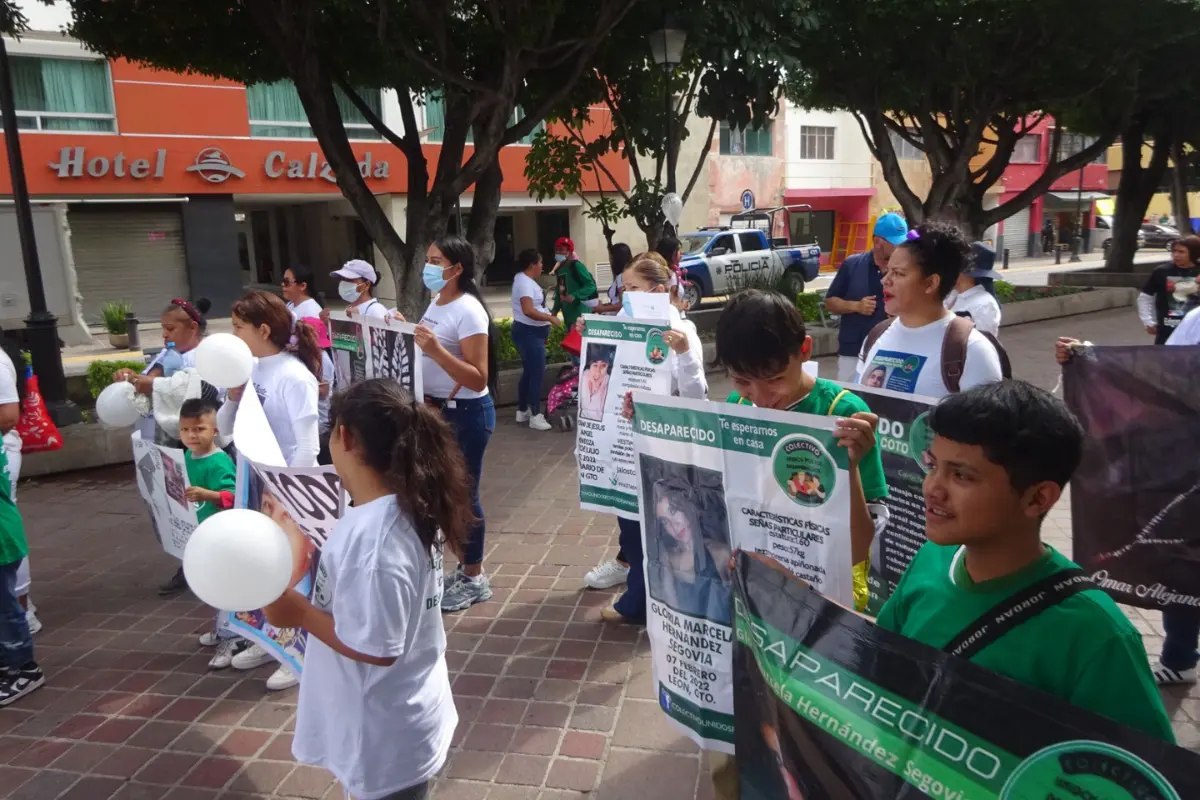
[
  {"x": 211, "y": 473},
  {"x": 19, "y": 673},
  {"x": 1001, "y": 455}
]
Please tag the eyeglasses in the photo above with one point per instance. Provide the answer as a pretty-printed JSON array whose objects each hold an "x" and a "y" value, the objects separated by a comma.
[{"x": 287, "y": 282}]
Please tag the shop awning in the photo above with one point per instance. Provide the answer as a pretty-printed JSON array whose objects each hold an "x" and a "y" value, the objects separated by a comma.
[{"x": 1087, "y": 197}]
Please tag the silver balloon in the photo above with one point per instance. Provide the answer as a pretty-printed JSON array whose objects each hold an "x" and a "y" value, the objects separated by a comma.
[{"x": 672, "y": 208}]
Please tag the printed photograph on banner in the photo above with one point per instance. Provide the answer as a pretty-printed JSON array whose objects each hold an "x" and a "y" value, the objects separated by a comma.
[
  {"x": 1135, "y": 498},
  {"x": 349, "y": 350},
  {"x": 904, "y": 438},
  {"x": 394, "y": 353},
  {"x": 687, "y": 544},
  {"x": 162, "y": 483},
  {"x": 895, "y": 371},
  {"x": 829, "y": 705},
  {"x": 619, "y": 356}
]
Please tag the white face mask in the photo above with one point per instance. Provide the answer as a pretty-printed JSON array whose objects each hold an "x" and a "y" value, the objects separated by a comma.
[{"x": 348, "y": 291}]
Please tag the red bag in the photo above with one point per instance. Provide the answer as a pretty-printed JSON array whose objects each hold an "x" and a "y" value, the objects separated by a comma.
[
  {"x": 573, "y": 342},
  {"x": 38, "y": 431}
]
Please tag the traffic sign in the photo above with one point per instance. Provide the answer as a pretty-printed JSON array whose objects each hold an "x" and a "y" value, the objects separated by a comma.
[{"x": 747, "y": 200}]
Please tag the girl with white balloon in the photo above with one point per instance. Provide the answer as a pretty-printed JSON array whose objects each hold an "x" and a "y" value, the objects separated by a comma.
[
  {"x": 375, "y": 659},
  {"x": 285, "y": 375}
]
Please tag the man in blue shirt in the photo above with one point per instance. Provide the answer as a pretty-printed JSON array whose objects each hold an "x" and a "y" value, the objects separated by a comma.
[{"x": 857, "y": 292}]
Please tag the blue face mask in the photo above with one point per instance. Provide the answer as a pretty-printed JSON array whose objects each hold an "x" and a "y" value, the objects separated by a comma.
[
  {"x": 559, "y": 257},
  {"x": 627, "y": 303},
  {"x": 432, "y": 276}
]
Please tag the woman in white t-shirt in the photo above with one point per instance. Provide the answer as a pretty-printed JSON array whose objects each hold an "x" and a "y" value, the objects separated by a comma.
[
  {"x": 619, "y": 258},
  {"x": 907, "y": 356},
  {"x": 375, "y": 707},
  {"x": 302, "y": 299},
  {"x": 356, "y": 286},
  {"x": 530, "y": 328},
  {"x": 324, "y": 386},
  {"x": 285, "y": 377},
  {"x": 458, "y": 362},
  {"x": 972, "y": 296}
]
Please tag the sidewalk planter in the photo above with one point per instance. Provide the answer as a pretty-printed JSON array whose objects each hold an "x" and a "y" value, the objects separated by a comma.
[{"x": 1084, "y": 302}]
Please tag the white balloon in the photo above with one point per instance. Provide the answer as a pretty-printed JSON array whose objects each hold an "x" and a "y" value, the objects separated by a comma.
[
  {"x": 672, "y": 208},
  {"x": 115, "y": 406},
  {"x": 224, "y": 360},
  {"x": 238, "y": 560}
]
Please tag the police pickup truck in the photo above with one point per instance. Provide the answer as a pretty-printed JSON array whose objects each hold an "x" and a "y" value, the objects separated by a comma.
[{"x": 721, "y": 260}]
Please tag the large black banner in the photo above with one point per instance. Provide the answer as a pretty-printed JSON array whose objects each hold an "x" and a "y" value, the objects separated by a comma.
[
  {"x": 903, "y": 439},
  {"x": 1135, "y": 500},
  {"x": 831, "y": 707}
]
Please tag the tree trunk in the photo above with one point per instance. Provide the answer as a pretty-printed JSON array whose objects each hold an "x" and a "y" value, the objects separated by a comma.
[
  {"x": 1134, "y": 192},
  {"x": 481, "y": 226},
  {"x": 1179, "y": 192}
]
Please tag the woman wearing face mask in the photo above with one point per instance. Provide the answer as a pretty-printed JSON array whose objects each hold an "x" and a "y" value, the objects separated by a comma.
[
  {"x": 356, "y": 283},
  {"x": 577, "y": 294},
  {"x": 458, "y": 364},
  {"x": 530, "y": 329},
  {"x": 647, "y": 274}
]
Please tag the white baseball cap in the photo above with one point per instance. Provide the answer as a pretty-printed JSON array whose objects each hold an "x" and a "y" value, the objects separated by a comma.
[{"x": 356, "y": 269}]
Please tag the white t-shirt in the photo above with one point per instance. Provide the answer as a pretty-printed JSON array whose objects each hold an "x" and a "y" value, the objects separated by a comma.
[
  {"x": 1186, "y": 333},
  {"x": 615, "y": 289},
  {"x": 372, "y": 309},
  {"x": 377, "y": 729},
  {"x": 288, "y": 392},
  {"x": 909, "y": 360},
  {"x": 327, "y": 375},
  {"x": 525, "y": 286},
  {"x": 457, "y": 320},
  {"x": 308, "y": 308},
  {"x": 977, "y": 305},
  {"x": 8, "y": 394}
]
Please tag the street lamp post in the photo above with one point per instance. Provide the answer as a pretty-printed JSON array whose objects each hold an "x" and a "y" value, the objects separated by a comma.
[
  {"x": 666, "y": 48},
  {"x": 41, "y": 327},
  {"x": 1077, "y": 245}
]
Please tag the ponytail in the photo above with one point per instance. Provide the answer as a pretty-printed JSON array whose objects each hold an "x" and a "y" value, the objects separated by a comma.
[
  {"x": 458, "y": 250},
  {"x": 297, "y": 337},
  {"x": 306, "y": 344},
  {"x": 414, "y": 451}
]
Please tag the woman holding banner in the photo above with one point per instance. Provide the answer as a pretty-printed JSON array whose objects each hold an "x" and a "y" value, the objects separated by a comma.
[
  {"x": 458, "y": 366},
  {"x": 649, "y": 275},
  {"x": 286, "y": 376}
]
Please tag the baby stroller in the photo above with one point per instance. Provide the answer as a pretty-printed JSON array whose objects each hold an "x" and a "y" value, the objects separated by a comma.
[{"x": 563, "y": 403}]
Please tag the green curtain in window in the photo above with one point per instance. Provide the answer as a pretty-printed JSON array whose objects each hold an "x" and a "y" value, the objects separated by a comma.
[
  {"x": 62, "y": 85},
  {"x": 435, "y": 117},
  {"x": 27, "y": 84},
  {"x": 276, "y": 102}
]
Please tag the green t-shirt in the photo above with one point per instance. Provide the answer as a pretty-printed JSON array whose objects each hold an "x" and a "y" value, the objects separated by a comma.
[
  {"x": 214, "y": 472},
  {"x": 1083, "y": 650},
  {"x": 13, "y": 546},
  {"x": 820, "y": 401}
]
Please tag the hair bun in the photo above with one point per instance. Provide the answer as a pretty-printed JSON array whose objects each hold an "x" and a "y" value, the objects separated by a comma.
[{"x": 202, "y": 305}]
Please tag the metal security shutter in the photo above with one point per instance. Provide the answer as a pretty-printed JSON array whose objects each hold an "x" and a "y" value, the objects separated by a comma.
[
  {"x": 128, "y": 254},
  {"x": 1016, "y": 234}
]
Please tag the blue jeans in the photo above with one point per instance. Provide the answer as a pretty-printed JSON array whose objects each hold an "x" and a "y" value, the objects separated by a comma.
[
  {"x": 16, "y": 643},
  {"x": 632, "y": 604},
  {"x": 530, "y": 341},
  {"x": 1182, "y": 624},
  {"x": 473, "y": 422}
]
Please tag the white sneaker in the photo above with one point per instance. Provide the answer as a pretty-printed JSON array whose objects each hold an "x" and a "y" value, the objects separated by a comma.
[
  {"x": 538, "y": 423},
  {"x": 1165, "y": 676},
  {"x": 253, "y": 656},
  {"x": 35, "y": 624},
  {"x": 609, "y": 574},
  {"x": 281, "y": 679},
  {"x": 227, "y": 650},
  {"x": 210, "y": 639},
  {"x": 523, "y": 417}
]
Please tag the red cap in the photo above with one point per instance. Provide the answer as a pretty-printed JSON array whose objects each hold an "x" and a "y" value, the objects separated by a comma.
[{"x": 565, "y": 242}]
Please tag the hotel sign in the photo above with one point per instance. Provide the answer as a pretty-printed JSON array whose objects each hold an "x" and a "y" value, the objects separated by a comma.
[{"x": 212, "y": 165}]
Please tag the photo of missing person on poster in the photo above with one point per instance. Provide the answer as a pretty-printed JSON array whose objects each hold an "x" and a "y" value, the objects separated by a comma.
[
  {"x": 687, "y": 539},
  {"x": 175, "y": 482},
  {"x": 594, "y": 380}
]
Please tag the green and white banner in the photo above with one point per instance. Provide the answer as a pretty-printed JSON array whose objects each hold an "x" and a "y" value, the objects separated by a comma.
[
  {"x": 619, "y": 356},
  {"x": 716, "y": 478},
  {"x": 831, "y": 706}
]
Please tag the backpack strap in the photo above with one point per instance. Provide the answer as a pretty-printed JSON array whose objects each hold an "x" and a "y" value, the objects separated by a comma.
[
  {"x": 836, "y": 400},
  {"x": 1016, "y": 610},
  {"x": 874, "y": 335},
  {"x": 954, "y": 351},
  {"x": 1001, "y": 353}
]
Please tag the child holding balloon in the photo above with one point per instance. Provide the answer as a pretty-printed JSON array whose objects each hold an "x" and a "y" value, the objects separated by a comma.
[{"x": 375, "y": 661}]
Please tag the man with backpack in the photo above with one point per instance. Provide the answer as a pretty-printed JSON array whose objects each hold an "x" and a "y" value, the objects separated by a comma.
[
  {"x": 576, "y": 293},
  {"x": 924, "y": 349}
]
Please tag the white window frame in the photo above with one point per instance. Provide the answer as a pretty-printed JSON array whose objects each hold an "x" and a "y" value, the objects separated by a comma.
[
  {"x": 904, "y": 149},
  {"x": 38, "y": 116},
  {"x": 814, "y": 138},
  {"x": 1037, "y": 156}
]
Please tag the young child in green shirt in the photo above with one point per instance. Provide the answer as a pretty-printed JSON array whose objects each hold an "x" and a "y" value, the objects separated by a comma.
[
  {"x": 19, "y": 673},
  {"x": 1001, "y": 455}
]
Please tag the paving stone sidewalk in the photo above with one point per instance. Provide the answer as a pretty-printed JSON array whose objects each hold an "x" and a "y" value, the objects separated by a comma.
[{"x": 554, "y": 704}]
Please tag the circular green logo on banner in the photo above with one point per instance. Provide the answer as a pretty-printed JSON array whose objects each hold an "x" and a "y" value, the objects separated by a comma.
[
  {"x": 920, "y": 438},
  {"x": 1086, "y": 769},
  {"x": 804, "y": 469},
  {"x": 656, "y": 348}
]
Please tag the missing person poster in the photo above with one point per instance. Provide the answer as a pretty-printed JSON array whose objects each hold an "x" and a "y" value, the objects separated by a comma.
[
  {"x": 832, "y": 707},
  {"x": 1135, "y": 498},
  {"x": 904, "y": 438},
  {"x": 306, "y": 503},
  {"x": 619, "y": 356},
  {"x": 716, "y": 478},
  {"x": 163, "y": 482},
  {"x": 371, "y": 348}
]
